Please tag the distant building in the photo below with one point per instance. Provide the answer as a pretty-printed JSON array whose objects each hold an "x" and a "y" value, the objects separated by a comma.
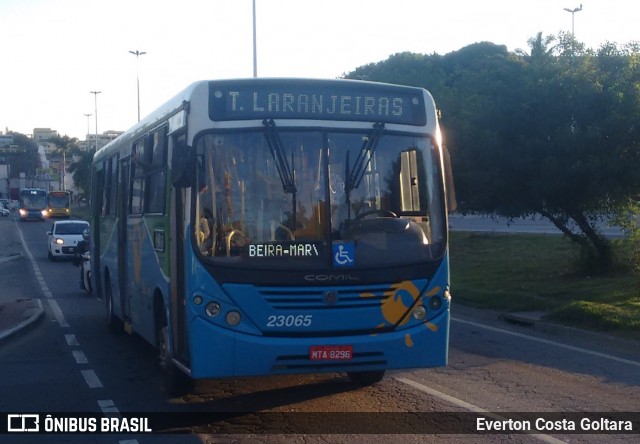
[
  {"x": 6, "y": 140},
  {"x": 41, "y": 135},
  {"x": 103, "y": 139}
]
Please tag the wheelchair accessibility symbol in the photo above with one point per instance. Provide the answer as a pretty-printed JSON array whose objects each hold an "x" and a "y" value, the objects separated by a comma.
[{"x": 343, "y": 255}]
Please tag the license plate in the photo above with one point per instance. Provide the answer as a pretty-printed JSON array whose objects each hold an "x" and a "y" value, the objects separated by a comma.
[{"x": 330, "y": 352}]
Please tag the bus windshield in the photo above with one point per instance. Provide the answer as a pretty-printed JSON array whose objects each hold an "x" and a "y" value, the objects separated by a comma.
[
  {"x": 59, "y": 200},
  {"x": 33, "y": 200},
  {"x": 318, "y": 199}
]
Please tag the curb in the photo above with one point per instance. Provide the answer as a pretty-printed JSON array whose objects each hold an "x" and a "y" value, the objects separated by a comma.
[
  {"x": 38, "y": 311},
  {"x": 10, "y": 257},
  {"x": 536, "y": 321}
]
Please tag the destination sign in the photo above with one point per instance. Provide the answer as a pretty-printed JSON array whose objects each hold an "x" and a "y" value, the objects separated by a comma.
[{"x": 309, "y": 99}]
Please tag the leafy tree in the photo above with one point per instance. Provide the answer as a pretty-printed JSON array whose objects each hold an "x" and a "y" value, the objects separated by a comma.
[
  {"x": 551, "y": 132},
  {"x": 81, "y": 167},
  {"x": 27, "y": 162},
  {"x": 81, "y": 170}
]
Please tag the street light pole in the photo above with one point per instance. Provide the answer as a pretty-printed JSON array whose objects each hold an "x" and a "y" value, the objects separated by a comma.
[
  {"x": 255, "y": 51},
  {"x": 573, "y": 13},
  {"x": 95, "y": 95},
  {"x": 88, "y": 130},
  {"x": 64, "y": 169},
  {"x": 138, "y": 54}
]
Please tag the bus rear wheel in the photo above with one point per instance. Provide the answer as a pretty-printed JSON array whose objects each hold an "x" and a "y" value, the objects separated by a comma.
[{"x": 364, "y": 379}]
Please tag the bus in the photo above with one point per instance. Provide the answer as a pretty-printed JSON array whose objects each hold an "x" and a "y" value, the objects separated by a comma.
[
  {"x": 278, "y": 226},
  {"x": 59, "y": 204},
  {"x": 32, "y": 204}
]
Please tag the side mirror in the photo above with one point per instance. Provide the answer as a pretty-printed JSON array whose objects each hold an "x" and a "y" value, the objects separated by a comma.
[{"x": 452, "y": 203}]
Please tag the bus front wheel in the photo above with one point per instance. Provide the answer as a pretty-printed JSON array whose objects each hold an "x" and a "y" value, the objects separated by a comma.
[{"x": 366, "y": 378}]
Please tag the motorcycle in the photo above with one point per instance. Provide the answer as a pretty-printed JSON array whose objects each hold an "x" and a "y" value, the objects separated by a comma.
[{"x": 82, "y": 259}]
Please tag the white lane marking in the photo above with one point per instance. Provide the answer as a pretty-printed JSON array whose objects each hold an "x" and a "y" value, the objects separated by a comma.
[
  {"x": 55, "y": 308},
  {"x": 548, "y": 342},
  {"x": 57, "y": 312},
  {"x": 108, "y": 406},
  {"x": 91, "y": 378},
  {"x": 80, "y": 357},
  {"x": 470, "y": 407},
  {"x": 71, "y": 340}
]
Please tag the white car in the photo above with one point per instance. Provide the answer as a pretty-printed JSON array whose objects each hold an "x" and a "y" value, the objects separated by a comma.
[
  {"x": 64, "y": 237},
  {"x": 4, "y": 211}
]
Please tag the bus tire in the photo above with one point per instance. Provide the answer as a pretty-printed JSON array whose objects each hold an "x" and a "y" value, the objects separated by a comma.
[
  {"x": 175, "y": 381},
  {"x": 114, "y": 324},
  {"x": 363, "y": 379}
]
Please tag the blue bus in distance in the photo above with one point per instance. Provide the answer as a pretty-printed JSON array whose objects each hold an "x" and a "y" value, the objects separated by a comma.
[{"x": 32, "y": 204}]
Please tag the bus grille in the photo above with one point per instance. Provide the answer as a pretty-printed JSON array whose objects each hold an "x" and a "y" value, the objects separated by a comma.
[{"x": 280, "y": 298}]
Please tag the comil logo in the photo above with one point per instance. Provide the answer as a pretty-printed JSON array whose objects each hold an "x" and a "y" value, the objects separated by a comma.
[{"x": 23, "y": 422}]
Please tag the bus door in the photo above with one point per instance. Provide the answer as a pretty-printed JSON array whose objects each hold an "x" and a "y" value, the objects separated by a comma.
[
  {"x": 179, "y": 220},
  {"x": 123, "y": 211}
]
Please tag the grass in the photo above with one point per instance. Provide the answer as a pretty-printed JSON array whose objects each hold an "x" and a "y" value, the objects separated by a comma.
[
  {"x": 80, "y": 212},
  {"x": 519, "y": 272}
]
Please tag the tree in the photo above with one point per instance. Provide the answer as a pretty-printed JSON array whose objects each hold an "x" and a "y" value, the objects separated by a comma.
[
  {"x": 81, "y": 170},
  {"x": 27, "y": 161},
  {"x": 552, "y": 133},
  {"x": 581, "y": 138}
]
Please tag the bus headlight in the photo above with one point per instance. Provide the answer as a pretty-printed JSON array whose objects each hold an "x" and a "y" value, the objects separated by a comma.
[
  {"x": 233, "y": 318},
  {"x": 212, "y": 309},
  {"x": 197, "y": 299},
  {"x": 44, "y": 213},
  {"x": 419, "y": 313}
]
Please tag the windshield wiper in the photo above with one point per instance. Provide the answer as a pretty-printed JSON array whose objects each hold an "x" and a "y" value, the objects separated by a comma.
[
  {"x": 286, "y": 173},
  {"x": 354, "y": 176}
]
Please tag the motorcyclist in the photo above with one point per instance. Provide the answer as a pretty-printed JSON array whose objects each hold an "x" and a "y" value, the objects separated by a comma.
[{"x": 81, "y": 248}]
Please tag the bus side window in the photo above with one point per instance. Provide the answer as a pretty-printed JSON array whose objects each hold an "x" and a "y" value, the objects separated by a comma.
[
  {"x": 155, "y": 174},
  {"x": 181, "y": 170},
  {"x": 137, "y": 184}
]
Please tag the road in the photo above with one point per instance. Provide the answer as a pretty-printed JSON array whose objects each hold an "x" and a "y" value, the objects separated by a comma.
[
  {"x": 538, "y": 225},
  {"x": 69, "y": 362}
]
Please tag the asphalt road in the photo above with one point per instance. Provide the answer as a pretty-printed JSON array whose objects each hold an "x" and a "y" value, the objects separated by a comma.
[
  {"x": 69, "y": 362},
  {"x": 539, "y": 225}
]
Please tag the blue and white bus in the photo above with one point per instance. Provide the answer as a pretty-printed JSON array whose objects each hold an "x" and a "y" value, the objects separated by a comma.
[
  {"x": 278, "y": 226},
  {"x": 32, "y": 204}
]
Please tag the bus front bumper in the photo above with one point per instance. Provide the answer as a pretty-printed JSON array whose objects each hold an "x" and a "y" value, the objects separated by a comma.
[{"x": 219, "y": 352}]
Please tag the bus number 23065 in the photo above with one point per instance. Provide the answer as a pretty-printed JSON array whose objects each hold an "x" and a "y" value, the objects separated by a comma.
[{"x": 289, "y": 321}]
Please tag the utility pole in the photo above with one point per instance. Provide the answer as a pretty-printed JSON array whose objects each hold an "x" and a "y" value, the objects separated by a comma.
[
  {"x": 573, "y": 13},
  {"x": 88, "y": 129},
  {"x": 95, "y": 94},
  {"x": 255, "y": 51},
  {"x": 138, "y": 54}
]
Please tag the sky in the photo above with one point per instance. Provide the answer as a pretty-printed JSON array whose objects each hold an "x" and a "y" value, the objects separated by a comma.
[{"x": 54, "y": 52}]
